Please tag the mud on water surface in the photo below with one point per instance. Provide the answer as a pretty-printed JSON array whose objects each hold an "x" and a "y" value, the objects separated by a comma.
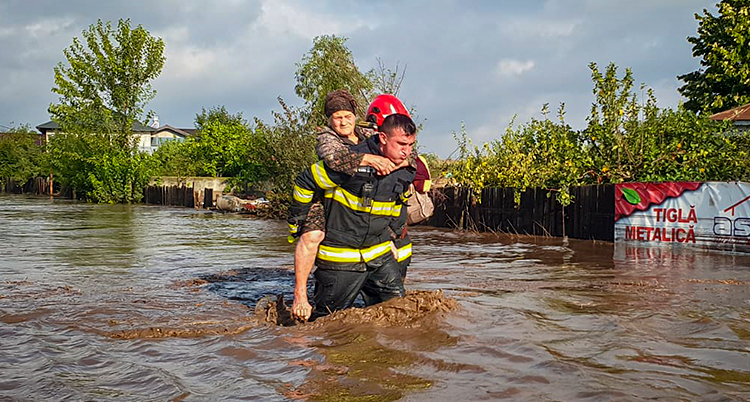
[{"x": 359, "y": 355}]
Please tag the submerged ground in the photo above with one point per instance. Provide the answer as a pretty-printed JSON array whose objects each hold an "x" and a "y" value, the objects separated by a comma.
[{"x": 126, "y": 303}]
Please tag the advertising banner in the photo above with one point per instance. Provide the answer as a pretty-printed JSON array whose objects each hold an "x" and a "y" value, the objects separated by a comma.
[{"x": 713, "y": 215}]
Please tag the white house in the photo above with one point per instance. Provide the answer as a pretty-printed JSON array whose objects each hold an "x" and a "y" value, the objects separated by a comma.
[{"x": 149, "y": 138}]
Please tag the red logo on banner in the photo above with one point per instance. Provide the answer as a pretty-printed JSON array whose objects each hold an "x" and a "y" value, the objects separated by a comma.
[
  {"x": 735, "y": 205},
  {"x": 630, "y": 197}
]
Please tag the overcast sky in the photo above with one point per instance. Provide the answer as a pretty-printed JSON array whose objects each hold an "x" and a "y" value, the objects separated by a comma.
[{"x": 477, "y": 62}]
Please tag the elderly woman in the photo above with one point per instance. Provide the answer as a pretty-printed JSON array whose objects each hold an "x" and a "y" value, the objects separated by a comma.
[
  {"x": 333, "y": 148},
  {"x": 342, "y": 132}
]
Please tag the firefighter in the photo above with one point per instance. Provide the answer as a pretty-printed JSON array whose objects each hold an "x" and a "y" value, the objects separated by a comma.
[
  {"x": 362, "y": 212},
  {"x": 333, "y": 147}
]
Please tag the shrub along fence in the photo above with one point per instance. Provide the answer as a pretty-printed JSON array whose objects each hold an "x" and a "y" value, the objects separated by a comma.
[{"x": 591, "y": 215}]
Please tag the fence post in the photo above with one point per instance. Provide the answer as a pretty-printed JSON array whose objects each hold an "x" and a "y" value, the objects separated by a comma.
[{"x": 208, "y": 198}]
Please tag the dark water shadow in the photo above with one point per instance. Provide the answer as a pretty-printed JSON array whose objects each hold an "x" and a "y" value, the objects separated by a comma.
[{"x": 249, "y": 285}]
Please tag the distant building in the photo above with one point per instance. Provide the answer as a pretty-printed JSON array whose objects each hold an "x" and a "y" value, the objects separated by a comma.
[
  {"x": 167, "y": 133},
  {"x": 149, "y": 138},
  {"x": 740, "y": 117}
]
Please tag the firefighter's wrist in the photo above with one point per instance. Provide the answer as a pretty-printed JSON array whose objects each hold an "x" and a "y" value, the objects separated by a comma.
[{"x": 300, "y": 293}]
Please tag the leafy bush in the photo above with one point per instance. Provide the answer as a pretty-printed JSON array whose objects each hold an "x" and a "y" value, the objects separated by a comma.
[
  {"x": 173, "y": 158},
  {"x": 290, "y": 146},
  {"x": 627, "y": 139},
  {"x": 21, "y": 157},
  {"x": 98, "y": 167}
]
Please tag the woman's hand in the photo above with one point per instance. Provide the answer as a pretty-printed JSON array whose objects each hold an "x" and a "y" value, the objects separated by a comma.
[{"x": 381, "y": 164}]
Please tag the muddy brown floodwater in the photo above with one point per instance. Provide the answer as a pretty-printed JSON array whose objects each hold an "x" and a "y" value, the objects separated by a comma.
[{"x": 143, "y": 303}]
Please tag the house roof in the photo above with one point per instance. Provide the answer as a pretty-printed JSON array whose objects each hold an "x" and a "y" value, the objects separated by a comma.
[
  {"x": 740, "y": 113},
  {"x": 52, "y": 125},
  {"x": 183, "y": 132}
]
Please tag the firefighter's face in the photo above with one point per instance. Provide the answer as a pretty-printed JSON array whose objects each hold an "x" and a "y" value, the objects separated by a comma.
[
  {"x": 342, "y": 122},
  {"x": 397, "y": 145}
]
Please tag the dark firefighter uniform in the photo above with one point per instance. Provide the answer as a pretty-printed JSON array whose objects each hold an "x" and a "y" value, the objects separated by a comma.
[
  {"x": 422, "y": 183},
  {"x": 363, "y": 212}
]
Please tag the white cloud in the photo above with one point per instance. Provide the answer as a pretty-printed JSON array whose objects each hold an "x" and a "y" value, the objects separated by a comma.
[
  {"x": 284, "y": 17},
  {"x": 188, "y": 62},
  {"x": 539, "y": 28},
  {"x": 49, "y": 27},
  {"x": 242, "y": 53},
  {"x": 513, "y": 67},
  {"x": 174, "y": 34}
]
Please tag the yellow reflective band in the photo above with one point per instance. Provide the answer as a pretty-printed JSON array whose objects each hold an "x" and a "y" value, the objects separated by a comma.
[
  {"x": 427, "y": 182},
  {"x": 404, "y": 252},
  {"x": 405, "y": 196},
  {"x": 302, "y": 195},
  {"x": 353, "y": 255},
  {"x": 293, "y": 228},
  {"x": 376, "y": 251},
  {"x": 335, "y": 254},
  {"x": 351, "y": 201},
  {"x": 321, "y": 176}
]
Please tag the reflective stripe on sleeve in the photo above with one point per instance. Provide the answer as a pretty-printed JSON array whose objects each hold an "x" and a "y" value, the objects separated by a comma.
[
  {"x": 293, "y": 228},
  {"x": 404, "y": 252},
  {"x": 302, "y": 195},
  {"x": 321, "y": 176},
  {"x": 353, "y": 255}
]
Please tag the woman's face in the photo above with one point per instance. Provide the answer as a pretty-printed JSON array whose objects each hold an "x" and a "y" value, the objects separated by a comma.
[{"x": 342, "y": 122}]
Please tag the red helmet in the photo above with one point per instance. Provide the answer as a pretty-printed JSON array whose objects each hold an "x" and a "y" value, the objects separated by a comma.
[{"x": 383, "y": 106}]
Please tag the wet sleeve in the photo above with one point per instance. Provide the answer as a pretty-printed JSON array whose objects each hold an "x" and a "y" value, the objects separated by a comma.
[
  {"x": 337, "y": 155},
  {"x": 316, "y": 178},
  {"x": 397, "y": 225}
]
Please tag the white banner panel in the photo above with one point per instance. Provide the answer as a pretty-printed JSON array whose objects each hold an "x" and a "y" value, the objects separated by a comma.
[{"x": 712, "y": 215}]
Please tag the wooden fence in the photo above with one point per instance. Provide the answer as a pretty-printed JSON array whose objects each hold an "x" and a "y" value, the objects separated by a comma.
[
  {"x": 590, "y": 216},
  {"x": 180, "y": 196},
  {"x": 36, "y": 186}
]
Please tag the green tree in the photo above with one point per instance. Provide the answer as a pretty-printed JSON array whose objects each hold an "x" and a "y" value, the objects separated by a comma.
[
  {"x": 224, "y": 146},
  {"x": 290, "y": 146},
  {"x": 173, "y": 158},
  {"x": 328, "y": 66},
  {"x": 103, "y": 90},
  {"x": 106, "y": 82},
  {"x": 723, "y": 44},
  {"x": 219, "y": 147},
  {"x": 218, "y": 114},
  {"x": 629, "y": 139},
  {"x": 386, "y": 80},
  {"x": 21, "y": 155}
]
